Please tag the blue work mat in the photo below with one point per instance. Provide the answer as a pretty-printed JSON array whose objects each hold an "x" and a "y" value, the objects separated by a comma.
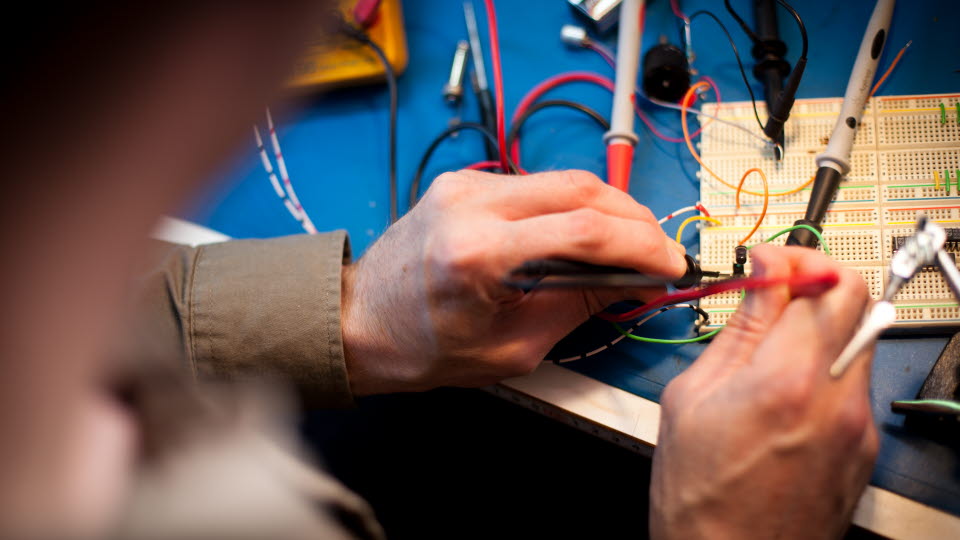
[{"x": 336, "y": 150}]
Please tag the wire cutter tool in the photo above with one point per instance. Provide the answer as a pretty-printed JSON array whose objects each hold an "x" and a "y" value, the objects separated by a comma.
[{"x": 923, "y": 249}]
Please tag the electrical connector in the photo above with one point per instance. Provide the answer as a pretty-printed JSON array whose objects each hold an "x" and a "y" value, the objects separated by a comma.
[
  {"x": 573, "y": 35},
  {"x": 739, "y": 261}
]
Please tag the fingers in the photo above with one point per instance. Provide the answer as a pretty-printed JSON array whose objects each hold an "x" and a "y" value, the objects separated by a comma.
[
  {"x": 762, "y": 308},
  {"x": 594, "y": 237},
  {"x": 825, "y": 324},
  {"x": 518, "y": 197},
  {"x": 551, "y": 314}
]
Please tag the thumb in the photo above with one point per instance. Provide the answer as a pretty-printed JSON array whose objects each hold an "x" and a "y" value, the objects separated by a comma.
[
  {"x": 761, "y": 308},
  {"x": 757, "y": 314}
]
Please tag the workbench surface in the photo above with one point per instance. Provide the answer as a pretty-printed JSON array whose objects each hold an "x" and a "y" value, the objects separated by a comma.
[{"x": 336, "y": 150}]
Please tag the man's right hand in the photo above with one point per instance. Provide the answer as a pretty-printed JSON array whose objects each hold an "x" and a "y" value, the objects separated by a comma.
[{"x": 756, "y": 439}]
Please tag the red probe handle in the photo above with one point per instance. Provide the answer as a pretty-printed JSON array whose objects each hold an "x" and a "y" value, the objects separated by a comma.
[{"x": 619, "y": 160}]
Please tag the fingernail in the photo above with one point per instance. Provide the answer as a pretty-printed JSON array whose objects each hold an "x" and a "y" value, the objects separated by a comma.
[{"x": 678, "y": 247}]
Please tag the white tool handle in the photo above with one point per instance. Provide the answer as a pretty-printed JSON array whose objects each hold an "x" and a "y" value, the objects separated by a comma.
[
  {"x": 881, "y": 316},
  {"x": 628, "y": 63},
  {"x": 837, "y": 154}
]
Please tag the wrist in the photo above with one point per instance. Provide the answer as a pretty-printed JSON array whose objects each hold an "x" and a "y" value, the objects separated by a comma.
[{"x": 369, "y": 353}]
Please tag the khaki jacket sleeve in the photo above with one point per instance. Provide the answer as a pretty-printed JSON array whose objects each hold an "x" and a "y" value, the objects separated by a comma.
[{"x": 252, "y": 308}]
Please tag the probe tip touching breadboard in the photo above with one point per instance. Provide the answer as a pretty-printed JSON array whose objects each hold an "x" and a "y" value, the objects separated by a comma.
[{"x": 905, "y": 161}]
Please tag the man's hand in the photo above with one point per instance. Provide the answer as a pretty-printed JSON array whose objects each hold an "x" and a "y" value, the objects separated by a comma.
[
  {"x": 756, "y": 439},
  {"x": 425, "y": 307}
]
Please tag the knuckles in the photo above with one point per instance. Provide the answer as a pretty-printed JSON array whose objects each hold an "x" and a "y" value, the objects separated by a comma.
[
  {"x": 587, "y": 188},
  {"x": 447, "y": 190},
  {"x": 852, "y": 421},
  {"x": 585, "y": 185},
  {"x": 585, "y": 228},
  {"x": 790, "y": 398}
]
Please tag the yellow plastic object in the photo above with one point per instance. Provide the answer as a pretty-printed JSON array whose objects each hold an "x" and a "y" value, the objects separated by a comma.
[{"x": 334, "y": 60}]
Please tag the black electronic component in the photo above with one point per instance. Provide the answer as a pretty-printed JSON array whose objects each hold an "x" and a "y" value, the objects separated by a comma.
[
  {"x": 666, "y": 74},
  {"x": 951, "y": 246},
  {"x": 739, "y": 261}
]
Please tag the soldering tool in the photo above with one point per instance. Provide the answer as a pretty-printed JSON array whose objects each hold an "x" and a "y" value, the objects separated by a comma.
[
  {"x": 558, "y": 273},
  {"x": 834, "y": 162},
  {"x": 621, "y": 139}
]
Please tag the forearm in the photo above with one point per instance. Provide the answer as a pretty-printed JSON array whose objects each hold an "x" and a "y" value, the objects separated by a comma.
[{"x": 250, "y": 308}]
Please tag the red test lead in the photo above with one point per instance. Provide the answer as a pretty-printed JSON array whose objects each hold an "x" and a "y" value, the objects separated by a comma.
[
  {"x": 802, "y": 285},
  {"x": 497, "y": 84}
]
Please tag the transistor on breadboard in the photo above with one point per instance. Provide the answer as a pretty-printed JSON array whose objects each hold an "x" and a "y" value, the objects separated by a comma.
[{"x": 905, "y": 161}]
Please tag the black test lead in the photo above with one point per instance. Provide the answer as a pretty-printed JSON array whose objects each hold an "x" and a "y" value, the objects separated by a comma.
[{"x": 481, "y": 87}]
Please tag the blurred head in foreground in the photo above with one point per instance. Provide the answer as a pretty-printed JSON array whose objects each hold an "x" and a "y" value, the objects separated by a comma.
[{"x": 115, "y": 113}]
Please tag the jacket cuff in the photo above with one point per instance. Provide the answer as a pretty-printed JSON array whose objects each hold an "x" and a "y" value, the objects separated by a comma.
[{"x": 271, "y": 308}]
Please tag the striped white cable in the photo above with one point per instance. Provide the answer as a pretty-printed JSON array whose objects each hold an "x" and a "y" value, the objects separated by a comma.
[
  {"x": 632, "y": 329},
  {"x": 304, "y": 219},
  {"x": 684, "y": 210},
  {"x": 297, "y": 212},
  {"x": 268, "y": 167},
  {"x": 285, "y": 176},
  {"x": 281, "y": 163},
  {"x": 676, "y": 213}
]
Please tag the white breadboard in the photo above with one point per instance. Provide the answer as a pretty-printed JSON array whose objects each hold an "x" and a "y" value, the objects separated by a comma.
[{"x": 905, "y": 160}]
